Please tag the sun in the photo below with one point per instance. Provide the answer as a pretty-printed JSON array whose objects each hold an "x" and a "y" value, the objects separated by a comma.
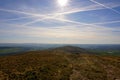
[{"x": 62, "y": 3}]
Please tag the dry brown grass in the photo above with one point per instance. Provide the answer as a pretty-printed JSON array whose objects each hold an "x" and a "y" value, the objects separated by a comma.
[{"x": 48, "y": 65}]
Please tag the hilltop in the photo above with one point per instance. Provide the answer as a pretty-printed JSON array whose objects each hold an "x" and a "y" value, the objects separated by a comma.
[
  {"x": 69, "y": 49},
  {"x": 62, "y": 63}
]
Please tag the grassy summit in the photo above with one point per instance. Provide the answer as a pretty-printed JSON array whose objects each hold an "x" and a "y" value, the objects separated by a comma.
[{"x": 59, "y": 64}]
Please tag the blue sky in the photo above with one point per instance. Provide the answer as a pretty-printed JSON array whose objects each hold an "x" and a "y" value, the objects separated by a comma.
[{"x": 46, "y": 21}]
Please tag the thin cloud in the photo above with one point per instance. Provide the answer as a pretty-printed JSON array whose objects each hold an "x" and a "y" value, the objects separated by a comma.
[{"x": 63, "y": 32}]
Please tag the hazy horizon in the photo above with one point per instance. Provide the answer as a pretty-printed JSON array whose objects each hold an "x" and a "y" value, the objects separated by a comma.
[
  {"x": 60, "y": 21},
  {"x": 52, "y": 43}
]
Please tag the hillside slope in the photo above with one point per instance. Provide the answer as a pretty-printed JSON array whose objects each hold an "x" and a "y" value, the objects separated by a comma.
[{"x": 55, "y": 64}]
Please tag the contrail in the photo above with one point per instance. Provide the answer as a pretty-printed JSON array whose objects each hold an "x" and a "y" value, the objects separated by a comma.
[
  {"x": 46, "y": 17},
  {"x": 21, "y": 12},
  {"x": 16, "y": 18},
  {"x": 37, "y": 20},
  {"x": 107, "y": 22},
  {"x": 105, "y": 6}
]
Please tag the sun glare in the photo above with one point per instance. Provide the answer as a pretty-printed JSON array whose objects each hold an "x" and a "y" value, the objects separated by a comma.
[{"x": 62, "y": 3}]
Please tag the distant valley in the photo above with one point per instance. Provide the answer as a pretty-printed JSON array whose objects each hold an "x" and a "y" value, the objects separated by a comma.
[{"x": 101, "y": 49}]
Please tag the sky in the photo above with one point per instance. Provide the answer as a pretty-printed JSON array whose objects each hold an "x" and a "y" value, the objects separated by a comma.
[{"x": 60, "y": 21}]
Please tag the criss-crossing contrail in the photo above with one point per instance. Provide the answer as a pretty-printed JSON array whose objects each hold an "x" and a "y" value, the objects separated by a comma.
[
  {"x": 53, "y": 16},
  {"x": 37, "y": 20},
  {"x": 88, "y": 8},
  {"x": 105, "y": 6},
  {"x": 49, "y": 16}
]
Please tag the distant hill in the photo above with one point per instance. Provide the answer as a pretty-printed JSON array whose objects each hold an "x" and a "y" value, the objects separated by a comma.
[
  {"x": 57, "y": 64},
  {"x": 70, "y": 49}
]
